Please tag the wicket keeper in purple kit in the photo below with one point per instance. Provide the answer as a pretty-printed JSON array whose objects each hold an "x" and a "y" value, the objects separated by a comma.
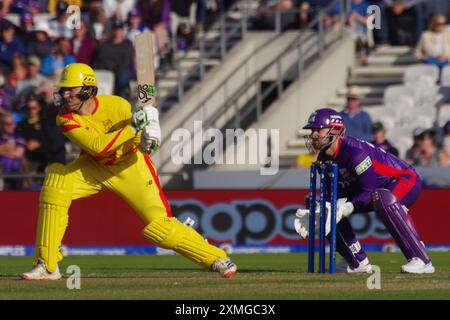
[{"x": 370, "y": 179}]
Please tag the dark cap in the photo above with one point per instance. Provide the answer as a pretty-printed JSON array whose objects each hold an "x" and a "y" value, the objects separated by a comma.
[
  {"x": 117, "y": 24},
  {"x": 417, "y": 132},
  {"x": 377, "y": 126},
  {"x": 134, "y": 13},
  {"x": 26, "y": 17},
  {"x": 447, "y": 126}
]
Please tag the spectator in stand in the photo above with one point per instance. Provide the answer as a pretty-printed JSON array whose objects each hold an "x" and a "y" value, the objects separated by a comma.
[
  {"x": 118, "y": 10},
  {"x": 18, "y": 73},
  {"x": 156, "y": 13},
  {"x": 117, "y": 55},
  {"x": 444, "y": 152},
  {"x": 434, "y": 44},
  {"x": 41, "y": 44},
  {"x": 44, "y": 141},
  {"x": 32, "y": 131},
  {"x": 100, "y": 27},
  {"x": 413, "y": 152},
  {"x": 358, "y": 122},
  {"x": 6, "y": 6},
  {"x": 428, "y": 155},
  {"x": 33, "y": 6},
  {"x": 12, "y": 151},
  {"x": 135, "y": 25},
  {"x": 4, "y": 97},
  {"x": 357, "y": 22},
  {"x": 10, "y": 46},
  {"x": 379, "y": 139},
  {"x": 200, "y": 15},
  {"x": 52, "y": 65},
  {"x": 25, "y": 32},
  {"x": 266, "y": 15},
  {"x": 436, "y": 8},
  {"x": 182, "y": 26},
  {"x": 58, "y": 24},
  {"x": 83, "y": 46},
  {"x": 402, "y": 21},
  {"x": 34, "y": 80}
]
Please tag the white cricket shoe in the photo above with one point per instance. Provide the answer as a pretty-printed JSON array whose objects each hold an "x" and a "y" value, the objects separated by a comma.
[
  {"x": 416, "y": 265},
  {"x": 364, "y": 267},
  {"x": 225, "y": 267},
  {"x": 39, "y": 272}
]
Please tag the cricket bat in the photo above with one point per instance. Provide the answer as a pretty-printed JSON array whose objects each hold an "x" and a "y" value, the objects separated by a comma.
[{"x": 143, "y": 47}]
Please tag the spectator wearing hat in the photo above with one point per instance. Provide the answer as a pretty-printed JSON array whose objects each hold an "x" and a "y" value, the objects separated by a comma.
[
  {"x": 12, "y": 151},
  {"x": 33, "y": 6},
  {"x": 83, "y": 45},
  {"x": 25, "y": 32},
  {"x": 58, "y": 24},
  {"x": 53, "y": 64},
  {"x": 34, "y": 80},
  {"x": 358, "y": 122},
  {"x": 41, "y": 44},
  {"x": 10, "y": 45},
  {"x": 379, "y": 139},
  {"x": 135, "y": 24},
  {"x": 117, "y": 55}
]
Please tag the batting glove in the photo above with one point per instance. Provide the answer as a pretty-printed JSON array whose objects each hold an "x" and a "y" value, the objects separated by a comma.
[{"x": 145, "y": 115}]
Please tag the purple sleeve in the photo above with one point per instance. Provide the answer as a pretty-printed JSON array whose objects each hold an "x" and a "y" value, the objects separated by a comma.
[{"x": 366, "y": 180}]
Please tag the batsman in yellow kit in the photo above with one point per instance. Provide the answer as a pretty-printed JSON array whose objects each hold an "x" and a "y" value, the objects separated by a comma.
[{"x": 116, "y": 147}]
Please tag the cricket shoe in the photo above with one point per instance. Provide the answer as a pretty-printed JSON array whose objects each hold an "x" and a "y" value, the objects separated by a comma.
[
  {"x": 39, "y": 272},
  {"x": 225, "y": 267},
  {"x": 364, "y": 267},
  {"x": 416, "y": 265}
]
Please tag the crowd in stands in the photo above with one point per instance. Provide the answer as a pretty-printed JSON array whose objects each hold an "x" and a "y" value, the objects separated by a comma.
[
  {"x": 400, "y": 22},
  {"x": 38, "y": 38},
  {"x": 36, "y": 46}
]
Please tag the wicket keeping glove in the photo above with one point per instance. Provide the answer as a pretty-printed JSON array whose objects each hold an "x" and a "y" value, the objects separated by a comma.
[{"x": 301, "y": 222}]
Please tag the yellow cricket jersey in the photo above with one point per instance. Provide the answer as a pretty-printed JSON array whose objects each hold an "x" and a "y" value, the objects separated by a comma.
[{"x": 105, "y": 134}]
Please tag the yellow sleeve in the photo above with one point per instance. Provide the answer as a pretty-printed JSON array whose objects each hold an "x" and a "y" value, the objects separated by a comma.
[
  {"x": 99, "y": 144},
  {"x": 90, "y": 141}
]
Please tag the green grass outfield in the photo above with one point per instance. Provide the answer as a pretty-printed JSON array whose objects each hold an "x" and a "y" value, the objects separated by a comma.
[{"x": 260, "y": 276}]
